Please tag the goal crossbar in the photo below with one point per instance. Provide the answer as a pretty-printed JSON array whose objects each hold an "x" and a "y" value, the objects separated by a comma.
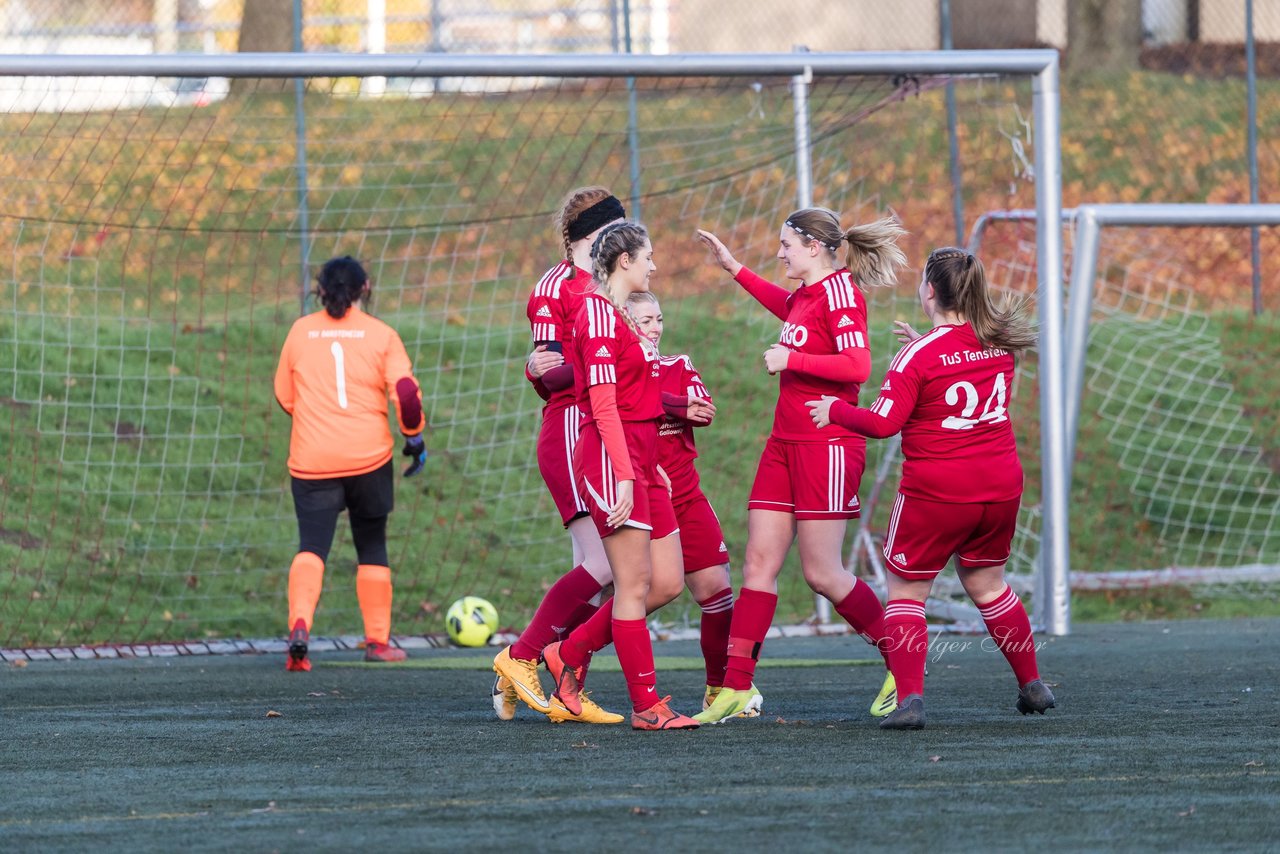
[
  {"x": 1041, "y": 66},
  {"x": 960, "y": 62}
]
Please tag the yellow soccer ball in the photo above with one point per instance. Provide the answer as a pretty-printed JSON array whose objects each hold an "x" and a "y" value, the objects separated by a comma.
[{"x": 471, "y": 621}]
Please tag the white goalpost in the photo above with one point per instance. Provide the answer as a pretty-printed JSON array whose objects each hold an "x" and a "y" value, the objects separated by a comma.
[
  {"x": 158, "y": 249},
  {"x": 1146, "y": 370}
]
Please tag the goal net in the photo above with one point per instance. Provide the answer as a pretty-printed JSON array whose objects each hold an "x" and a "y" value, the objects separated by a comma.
[
  {"x": 1175, "y": 495},
  {"x": 161, "y": 234}
]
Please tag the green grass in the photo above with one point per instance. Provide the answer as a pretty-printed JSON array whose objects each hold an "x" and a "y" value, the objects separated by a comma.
[
  {"x": 154, "y": 274},
  {"x": 130, "y": 537}
]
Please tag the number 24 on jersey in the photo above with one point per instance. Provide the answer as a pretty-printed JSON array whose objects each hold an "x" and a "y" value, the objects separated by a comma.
[{"x": 993, "y": 410}]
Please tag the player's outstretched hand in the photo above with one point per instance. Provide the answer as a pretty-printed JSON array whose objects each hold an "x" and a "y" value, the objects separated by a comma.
[
  {"x": 820, "y": 410},
  {"x": 542, "y": 360},
  {"x": 700, "y": 411},
  {"x": 722, "y": 256},
  {"x": 626, "y": 502},
  {"x": 905, "y": 333},
  {"x": 416, "y": 448}
]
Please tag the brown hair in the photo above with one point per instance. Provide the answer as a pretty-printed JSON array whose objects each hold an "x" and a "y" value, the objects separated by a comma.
[
  {"x": 625, "y": 237},
  {"x": 874, "y": 257},
  {"x": 572, "y": 207},
  {"x": 960, "y": 285}
]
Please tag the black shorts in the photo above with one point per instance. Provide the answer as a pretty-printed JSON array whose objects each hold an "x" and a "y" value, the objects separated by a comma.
[
  {"x": 369, "y": 495},
  {"x": 368, "y": 499}
]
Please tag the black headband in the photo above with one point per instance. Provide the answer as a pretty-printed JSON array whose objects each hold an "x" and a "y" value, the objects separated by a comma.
[
  {"x": 601, "y": 213},
  {"x": 798, "y": 230}
]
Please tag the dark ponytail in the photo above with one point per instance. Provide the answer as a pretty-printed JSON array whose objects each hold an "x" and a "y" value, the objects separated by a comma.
[{"x": 340, "y": 282}]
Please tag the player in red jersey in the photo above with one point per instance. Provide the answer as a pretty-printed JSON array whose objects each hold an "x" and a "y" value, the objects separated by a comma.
[
  {"x": 337, "y": 368},
  {"x": 687, "y": 404},
  {"x": 552, "y": 311},
  {"x": 948, "y": 392},
  {"x": 806, "y": 486},
  {"x": 616, "y": 471}
]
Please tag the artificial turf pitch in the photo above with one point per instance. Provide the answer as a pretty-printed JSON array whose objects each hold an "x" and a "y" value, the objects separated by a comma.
[{"x": 1167, "y": 736}]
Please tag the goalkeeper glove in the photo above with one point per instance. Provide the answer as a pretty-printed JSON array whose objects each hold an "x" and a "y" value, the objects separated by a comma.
[{"x": 416, "y": 448}]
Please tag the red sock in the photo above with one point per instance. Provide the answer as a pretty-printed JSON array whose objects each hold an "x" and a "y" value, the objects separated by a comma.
[
  {"x": 555, "y": 615},
  {"x": 635, "y": 655},
  {"x": 593, "y": 635},
  {"x": 752, "y": 616},
  {"x": 905, "y": 645},
  {"x": 1007, "y": 622},
  {"x": 861, "y": 609},
  {"x": 717, "y": 615}
]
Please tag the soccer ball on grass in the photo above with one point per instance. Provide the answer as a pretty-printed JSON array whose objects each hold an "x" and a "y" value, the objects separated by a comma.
[{"x": 471, "y": 621}]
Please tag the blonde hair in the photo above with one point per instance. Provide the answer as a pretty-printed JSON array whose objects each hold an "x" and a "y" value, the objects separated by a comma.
[
  {"x": 642, "y": 296},
  {"x": 874, "y": 256},
  {"x": 621, "y": 238},
  {"x": 571, "y": 208},
  {"x": 637, "y": 299},
  {"x": 960, "y": 285}
]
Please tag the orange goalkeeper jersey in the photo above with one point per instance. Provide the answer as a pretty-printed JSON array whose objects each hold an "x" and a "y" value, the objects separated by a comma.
[{"x": 334, "y": 378}]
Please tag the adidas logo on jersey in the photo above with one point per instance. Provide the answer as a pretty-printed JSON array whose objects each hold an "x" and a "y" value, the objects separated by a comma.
[
  {"x": 723, "y": 547},
  {"x": 544, "y": 312},
  {"x": 900, "y": 558},
  {"x": 844, "y": 321},
  {"x": 885, "y": 387},
  {"x": 602, "y": 353}
]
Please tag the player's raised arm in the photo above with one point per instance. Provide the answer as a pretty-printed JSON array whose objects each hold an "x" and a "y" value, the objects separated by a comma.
[
  {"x": 769, "y": 295},
  {"x": 806, "y": 485},
  {"x": 719, "y": 252}
]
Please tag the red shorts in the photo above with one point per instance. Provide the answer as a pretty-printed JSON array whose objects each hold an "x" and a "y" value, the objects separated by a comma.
[
  {"x": 813, "y": 480},
  {"x": 556, "y": 441},
  {"x": 701, "y": 540},
  {"x": 923, "y": 535},
  {"x": 598, "y": 487}
]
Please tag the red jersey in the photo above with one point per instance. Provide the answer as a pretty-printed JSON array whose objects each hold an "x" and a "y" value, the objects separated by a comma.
[
  {"x": 553, "y": 310},
  {"x": 676, "y": 448},
  {"x": 605, "y": 351},
  {"x": 822, "y": 319},
  {"x": 949, "y": 396}
]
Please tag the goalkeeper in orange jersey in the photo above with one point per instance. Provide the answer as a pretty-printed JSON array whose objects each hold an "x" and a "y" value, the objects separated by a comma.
[{"x": 337, "y": 369}]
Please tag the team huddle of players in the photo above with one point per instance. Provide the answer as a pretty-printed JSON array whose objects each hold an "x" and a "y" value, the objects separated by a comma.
[{"x": 617, "y": 451}]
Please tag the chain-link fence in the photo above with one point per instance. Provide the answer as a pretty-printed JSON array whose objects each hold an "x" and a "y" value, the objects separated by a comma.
[
  {"x": 646, "y": 26},
  {"x": 1153, "y": 33}
]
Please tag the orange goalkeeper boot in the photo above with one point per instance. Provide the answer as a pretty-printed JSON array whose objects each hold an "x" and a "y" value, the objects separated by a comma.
[
  {"x": 376, "y": 651},
  {"x": 297, "y": 661}
]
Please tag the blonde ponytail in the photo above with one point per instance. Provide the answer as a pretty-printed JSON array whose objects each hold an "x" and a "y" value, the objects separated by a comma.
[{"x": 874, "y": 256}]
